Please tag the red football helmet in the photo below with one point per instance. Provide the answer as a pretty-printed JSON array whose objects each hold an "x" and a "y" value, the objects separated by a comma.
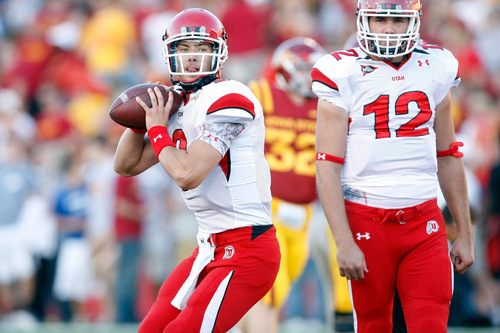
[
  {"x": 388, "y": 45},
  {"x": 195, "y": 25},
  {"x": 293, "y": 61}
]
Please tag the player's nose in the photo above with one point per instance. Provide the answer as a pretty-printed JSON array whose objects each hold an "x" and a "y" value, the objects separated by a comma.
[{"x": 389, "y": 28}]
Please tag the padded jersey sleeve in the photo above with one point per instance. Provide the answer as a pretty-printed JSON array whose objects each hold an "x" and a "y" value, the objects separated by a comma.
[
  {"x": 451, "y": 69},
  {"x": 231, "y": 107},
  {"x": 231, "y": 102},
  {"x": 220, "y": 135},
  {"x": 325, "y": 83}
]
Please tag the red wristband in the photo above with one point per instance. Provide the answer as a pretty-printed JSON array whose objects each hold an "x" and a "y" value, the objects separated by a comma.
[
  {"x": 159, "y": 139},
  {"x": 327, "y": 157},
  {"x": 452, "y": 151},
  {"x": 140, "y": 131}
]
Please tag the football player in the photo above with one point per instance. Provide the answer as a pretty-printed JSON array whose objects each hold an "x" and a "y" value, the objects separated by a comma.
[
  {"x": 213, "y": 147},
  {"x": 385, "y": 137},
  {"x": 290, "y": 117}
]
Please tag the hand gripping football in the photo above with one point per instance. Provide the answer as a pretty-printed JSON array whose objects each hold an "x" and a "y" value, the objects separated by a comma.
[{"x": 127, "y": 112}]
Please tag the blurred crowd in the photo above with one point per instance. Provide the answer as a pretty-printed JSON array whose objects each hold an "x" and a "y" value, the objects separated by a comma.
[{"x": 80, "y": 243}]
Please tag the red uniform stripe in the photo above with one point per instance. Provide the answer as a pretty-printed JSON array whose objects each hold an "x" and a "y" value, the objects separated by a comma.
[
  {"x": 225, "y": 164},
  {"x": 317, "y": 76},
  {"x": 232, "y": 101}
]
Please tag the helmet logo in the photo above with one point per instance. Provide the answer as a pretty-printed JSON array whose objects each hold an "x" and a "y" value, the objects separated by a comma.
[
  {"x": 388, "y": 6},
  {"x": 185, "y": 30}
]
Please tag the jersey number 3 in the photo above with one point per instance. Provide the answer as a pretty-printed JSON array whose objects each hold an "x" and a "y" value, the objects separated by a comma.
[{"x": 380, "y": 107}]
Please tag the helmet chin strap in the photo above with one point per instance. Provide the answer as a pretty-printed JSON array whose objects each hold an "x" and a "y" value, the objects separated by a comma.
[{"x": 196, "y": 84}]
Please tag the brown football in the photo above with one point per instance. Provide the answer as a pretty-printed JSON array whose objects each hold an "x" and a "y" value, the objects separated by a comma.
[{"x": 127, "y": 112}]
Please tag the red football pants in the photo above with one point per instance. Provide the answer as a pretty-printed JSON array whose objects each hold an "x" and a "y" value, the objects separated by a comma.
[
  {"x": 406, "y": 250},
  {"x": 244, "y": 269}
]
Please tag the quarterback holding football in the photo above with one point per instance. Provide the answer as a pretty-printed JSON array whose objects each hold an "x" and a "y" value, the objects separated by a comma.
[{"x": 213, "y": 147}]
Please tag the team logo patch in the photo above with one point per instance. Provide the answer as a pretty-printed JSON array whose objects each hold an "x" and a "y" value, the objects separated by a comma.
[
  {"x": 432, "y": 226},
  {"x": 228, "y": 252},
  {"x": 366, "y": 235},
  {"x": 367, "y": 69}
]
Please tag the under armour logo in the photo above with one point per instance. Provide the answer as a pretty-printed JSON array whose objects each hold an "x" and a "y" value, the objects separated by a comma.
[
  {"x": 321, "y": 157},
  {"x": 422, "y": 63},
  {"x": 213, "y": 137},
  {"x": 228, "y": 252},
  {"x": 157, "y": 137},
  {"x": 432, "y": 226},
  {"x": 365, "y": 236}
]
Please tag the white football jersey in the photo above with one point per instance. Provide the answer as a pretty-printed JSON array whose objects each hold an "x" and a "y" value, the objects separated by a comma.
[
  {"x": 236, "y": 193},
  {"x": 390, "y": 158}
]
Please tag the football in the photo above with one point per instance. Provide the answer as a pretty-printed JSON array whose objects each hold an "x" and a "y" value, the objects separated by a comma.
[{"x": 127, "y": 112}]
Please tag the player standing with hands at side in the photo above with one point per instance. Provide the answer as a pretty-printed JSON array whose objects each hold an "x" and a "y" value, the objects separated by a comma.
[
  {"x": 384, "y": 139},
  {"x": 214, "y": 150}
]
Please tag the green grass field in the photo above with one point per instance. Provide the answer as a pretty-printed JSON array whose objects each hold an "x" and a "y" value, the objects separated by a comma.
[{"x": 114, "y": 328}]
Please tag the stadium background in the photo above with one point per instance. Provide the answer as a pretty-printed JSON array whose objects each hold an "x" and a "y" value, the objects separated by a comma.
[{"x": 62, "y": 63}]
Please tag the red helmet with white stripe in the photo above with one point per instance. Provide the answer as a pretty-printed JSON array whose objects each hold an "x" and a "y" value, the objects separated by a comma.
[
  {"x": 388, "y": 45},
  {"x": 195, "y": 25},
  {"x": 293, "y": 61}
]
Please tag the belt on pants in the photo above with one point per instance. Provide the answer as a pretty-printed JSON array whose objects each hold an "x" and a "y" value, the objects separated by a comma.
[{"x": 403, "y": 215}]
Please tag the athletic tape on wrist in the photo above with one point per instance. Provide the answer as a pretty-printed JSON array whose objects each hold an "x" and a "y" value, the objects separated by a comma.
[
  {"x": 328, "y": 157},
  {"x": 452, "y": 151},
  {"x": 159, "y": 139}
]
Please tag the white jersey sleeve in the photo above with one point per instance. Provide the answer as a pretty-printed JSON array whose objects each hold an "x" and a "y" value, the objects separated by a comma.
[
  {"x": 230, "y": 102},
  {"x": 390, "y": 158}
]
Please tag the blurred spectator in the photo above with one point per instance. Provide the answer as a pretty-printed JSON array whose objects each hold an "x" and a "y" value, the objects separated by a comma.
[
  {"x": 109, "y": 43},
  {"x": 129, "y": 216},
  {"x": 249, "y": 25},
  {"x": 479, "y": 132},
  {"x": 14, "y": 120},
  {"x": 162, "y": 199},
  {"x": 40, "y": 229},
  {"x": 492, "y": 233},
  {"x": 52, "y": 120},
  {"x": 17, "y": 266},
  {"x": 464, "y": 310},
  {"x": 159, "y": 15},
  {"x": 32, "y": 52},
  {"x": 294, "y": 18},
  {"x": 74, "y": 279},
  {"x": 100, "y": 178},
  {"x": 334, "y": 17}
]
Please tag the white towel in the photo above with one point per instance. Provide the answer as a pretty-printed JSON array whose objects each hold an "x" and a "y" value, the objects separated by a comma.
[{"x": 205, "y": 255}]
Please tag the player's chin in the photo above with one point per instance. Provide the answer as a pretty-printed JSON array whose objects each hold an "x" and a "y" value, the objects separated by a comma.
[{"x": 189, "y": 78}]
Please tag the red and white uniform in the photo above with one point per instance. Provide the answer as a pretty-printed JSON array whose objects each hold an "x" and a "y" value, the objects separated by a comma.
[
  {"x": 237, "y": 193},
  {"x": 389, "y": 176},
  {"x": 390, "y": 158},
  {"x": 238, "y": 255}
]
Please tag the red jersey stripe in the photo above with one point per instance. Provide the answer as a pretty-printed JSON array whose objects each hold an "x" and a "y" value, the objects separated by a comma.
[
  {"x": 317, "y": 76},
  {"x": 232, "y": 101},
  {"x": 225, "y": 164}
]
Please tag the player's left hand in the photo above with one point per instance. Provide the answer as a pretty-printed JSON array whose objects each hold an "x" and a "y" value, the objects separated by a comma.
[{"x": 462, "y": 253}]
